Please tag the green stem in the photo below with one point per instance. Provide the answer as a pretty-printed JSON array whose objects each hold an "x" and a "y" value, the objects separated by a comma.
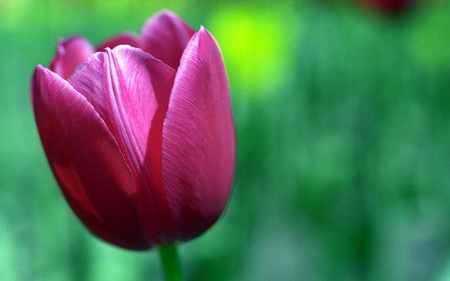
[{"x": 170, "y": 262}]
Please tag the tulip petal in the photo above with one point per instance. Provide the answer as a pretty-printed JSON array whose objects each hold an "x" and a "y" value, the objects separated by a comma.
[
  {"x": 165, "y": 37},
  {"x": 121, "y": 39},
  {"x": 198, "y": 139},
  {"x": 69, "y": 54},
  {"x": 130, "y": 90},
  {"x": 87, "y": 161}
]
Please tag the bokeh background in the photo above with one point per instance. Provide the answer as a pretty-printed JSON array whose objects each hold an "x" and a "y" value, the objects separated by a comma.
[{"x": 342, "y": 116}]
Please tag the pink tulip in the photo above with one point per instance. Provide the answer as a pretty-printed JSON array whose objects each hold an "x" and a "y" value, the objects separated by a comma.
[{"x": 139, "y": 133}]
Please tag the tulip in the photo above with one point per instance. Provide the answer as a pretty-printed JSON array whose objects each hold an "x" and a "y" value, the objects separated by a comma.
[
  {"x": 390, "y": 6},
  {"x": 139, "y": 132}
]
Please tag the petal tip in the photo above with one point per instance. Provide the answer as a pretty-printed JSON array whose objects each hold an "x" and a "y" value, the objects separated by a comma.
[
  {"x": 204, "y": 34},
  {"x": 70, "y": 52},
  {"x": 166, "y": 13}
]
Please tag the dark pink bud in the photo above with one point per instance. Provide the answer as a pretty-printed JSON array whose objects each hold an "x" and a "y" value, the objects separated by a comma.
[
  {"x": 142, "y": 145},
  {"x": 391, "y": 6}
]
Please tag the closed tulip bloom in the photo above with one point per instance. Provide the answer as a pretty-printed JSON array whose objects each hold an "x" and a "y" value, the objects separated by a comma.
[{"x": 139, "y": 132}]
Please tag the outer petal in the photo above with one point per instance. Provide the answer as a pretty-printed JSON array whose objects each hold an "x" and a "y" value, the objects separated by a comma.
[
  {"x": 165, "y": 37},
  {"x": 87, "y": 161},
  {"x": 130, "y": 90},
  {"x": 121, "y": 39},
  {"x": 199, "y": 139},
  {"x": 69, "y": 54}
]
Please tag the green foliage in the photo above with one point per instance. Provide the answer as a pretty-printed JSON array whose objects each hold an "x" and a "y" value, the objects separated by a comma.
[{"x": 343, "y": 125}]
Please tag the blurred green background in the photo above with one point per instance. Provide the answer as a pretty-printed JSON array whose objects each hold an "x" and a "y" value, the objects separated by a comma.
[{"x": 342, "y": 118}]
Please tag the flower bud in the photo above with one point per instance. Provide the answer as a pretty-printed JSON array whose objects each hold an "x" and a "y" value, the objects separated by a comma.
[{"x": 139, "y": 132}]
